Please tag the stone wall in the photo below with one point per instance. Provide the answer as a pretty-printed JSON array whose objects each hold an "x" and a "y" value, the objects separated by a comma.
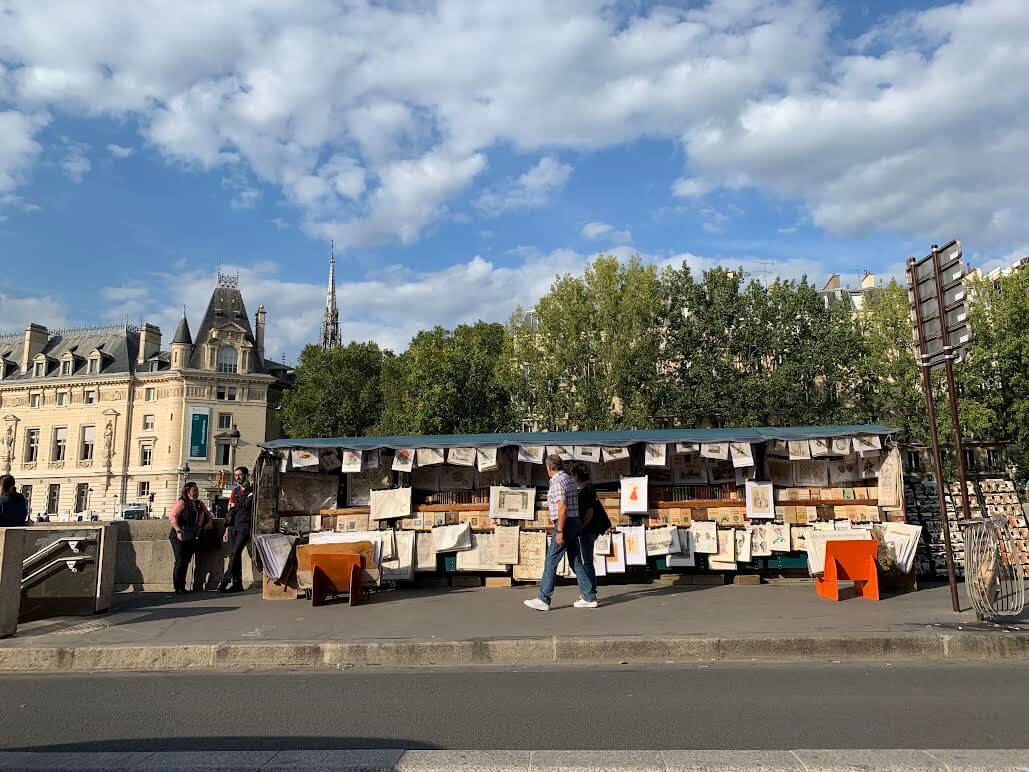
[{"x": 144, "y": 561}]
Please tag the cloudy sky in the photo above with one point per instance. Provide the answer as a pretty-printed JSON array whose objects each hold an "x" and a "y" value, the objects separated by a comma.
[{"x": 460, "y": 154}]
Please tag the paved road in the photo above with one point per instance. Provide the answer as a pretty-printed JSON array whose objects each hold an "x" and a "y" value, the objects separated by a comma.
[{"x": 730, "y": 706}]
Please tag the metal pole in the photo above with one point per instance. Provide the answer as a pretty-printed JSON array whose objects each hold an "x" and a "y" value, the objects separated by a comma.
[
  {"x": 952, "y": 400},
  {"x": 934, "y": 437}
]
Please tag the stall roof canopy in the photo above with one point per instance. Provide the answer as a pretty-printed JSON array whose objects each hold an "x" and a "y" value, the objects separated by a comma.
[{"x": 612, "y": 439}]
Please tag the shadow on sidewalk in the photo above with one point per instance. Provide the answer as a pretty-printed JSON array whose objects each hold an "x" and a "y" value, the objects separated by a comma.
[{"x": 220, "y": 744}]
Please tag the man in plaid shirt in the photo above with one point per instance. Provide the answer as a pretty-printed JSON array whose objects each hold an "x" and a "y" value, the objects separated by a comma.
[{"x": 563, "y": 503}]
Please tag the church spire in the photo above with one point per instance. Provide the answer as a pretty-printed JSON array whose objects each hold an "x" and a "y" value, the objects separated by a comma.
[{"x": 330, "y": 317}]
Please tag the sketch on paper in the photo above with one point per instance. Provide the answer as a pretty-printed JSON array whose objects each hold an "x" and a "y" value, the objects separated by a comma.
[
  {"x": 461, "y": 456},
  {"x": 705, "y": 536},
  {"x": 717, "y": 450},
  {"x": 616, "y": 560},
  {"x": 482, "y": 556},
  {"x": 532, "y": 552},
  {"x": 866, "y": 442},
  {"x": 615, "y": 454},
  {"x": 390, "y": 503},
  {"x": 759, "y": 541},
  {"x": 687, "y": 447},
  {"x": 602, "y": 546},
  {"x": 512, "y": 503},
  {"x": 301, "y": 457},
  {"x": 687, "y": 555},
  {"x": 779, "y": 537},
  {"x": 402, "y": 565},
  {"x": 564, "y": 451},
  {"x": 820, "y": 447},
  {"x": 845, "y": 470},
  {"x": 743, "y": 544},
  {"x": 689, "y": 470},
  {"x": 799, "y": 450},
  {"x": 486, "y": 459},
  {"x": 532, "y": 454},
  {"x": 742, "y": 454},
  {"x": 403, "y": 460},
  {"x": 870, "y": 466},
  {"x": 425, "y": 552},
  {"x": 350, "y": 460},
  {"x": 760, "y": 500},
  {"x": 589, "y": 453},
  {"x": 725, "y": 558},
  {"x": 812, "y": 472},
  {"x": 452, "y": 538},
  {"x": 328, "y": 461},
  {"x": 654, "y": 453},
  {"x": 634, "y": 494},
  {"x": 635, "y": 540},
  {"x": 662, "y": 541},
  {"x": 798, "y": 538},
  {"x": 429, "y": 456},
  {"x": 506, "y": 538},
  {"x": 456, "y": 478},
  {"x": 841, "y": 446}
]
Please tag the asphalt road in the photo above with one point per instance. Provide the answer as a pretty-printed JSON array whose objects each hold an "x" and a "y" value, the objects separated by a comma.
[{"x": 720, "y": 706}]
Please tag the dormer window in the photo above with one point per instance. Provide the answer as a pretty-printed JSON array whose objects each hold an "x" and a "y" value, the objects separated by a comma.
[
  {"x": 39, "y": 369},
  {"x": 94, "y": 365},
  {"x": 227, "y": 359},
  {"x": 66, "y": 367}
]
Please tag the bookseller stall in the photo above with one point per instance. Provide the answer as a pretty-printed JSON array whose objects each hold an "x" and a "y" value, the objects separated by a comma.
[{"x": 699, "y": 502}]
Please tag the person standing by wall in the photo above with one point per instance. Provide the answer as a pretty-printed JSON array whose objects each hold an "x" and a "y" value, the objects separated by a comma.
[
  {"x": 189, "y": 519},
  {"x": 594, "y": 523},
  {"x": 14, "y": 509},
  {"x": 237, "y": 528},
  {"x": 563, "y": 503}
]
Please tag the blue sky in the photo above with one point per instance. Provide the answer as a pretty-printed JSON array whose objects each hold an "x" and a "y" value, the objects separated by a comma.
[{"x": 462, "y": 154}]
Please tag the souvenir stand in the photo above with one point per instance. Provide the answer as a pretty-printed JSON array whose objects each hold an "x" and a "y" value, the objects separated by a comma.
[{"x": 704, "y": 503}]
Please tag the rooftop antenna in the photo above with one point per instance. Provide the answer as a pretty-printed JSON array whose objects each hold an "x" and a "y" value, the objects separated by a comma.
[{"x": 764, "y": 271}]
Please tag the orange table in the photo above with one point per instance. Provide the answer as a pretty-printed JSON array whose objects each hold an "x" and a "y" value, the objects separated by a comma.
[
  {"x": 333, "y": 574},
  {"x": 850, "y": 559}
]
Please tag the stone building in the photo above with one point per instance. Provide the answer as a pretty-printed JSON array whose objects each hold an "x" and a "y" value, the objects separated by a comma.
[{"x": 97, "y": 418}]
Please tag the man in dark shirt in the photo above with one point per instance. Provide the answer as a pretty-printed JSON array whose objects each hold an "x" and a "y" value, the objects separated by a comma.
[
  {"x": 14, "y": 510},
  {"x": 237, "y": 528}
]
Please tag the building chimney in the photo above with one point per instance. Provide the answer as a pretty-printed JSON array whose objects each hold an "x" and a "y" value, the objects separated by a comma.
[
  {"x": 259, "y": 322},
  {"x": 832, "y": 284},
  {"x": 36, "y": 336},
  {"x": 149, "y": 342}
]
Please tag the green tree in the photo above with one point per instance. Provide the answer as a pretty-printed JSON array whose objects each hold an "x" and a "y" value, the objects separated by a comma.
[
  {"x": 447, "y": 382},
  {"x": 337, "y": 393}
]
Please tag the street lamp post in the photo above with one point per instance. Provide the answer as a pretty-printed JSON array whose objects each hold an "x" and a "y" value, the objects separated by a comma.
[{"x": 233, "y": 444}]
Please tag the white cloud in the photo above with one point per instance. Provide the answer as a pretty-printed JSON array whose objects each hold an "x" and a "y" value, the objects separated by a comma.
[
  {"x": 531, "y": 190},
  {"x": 18, "y": 149},
  {"x": 691, "y": 187},
  {"x": 17, "y": 311},
  {"x": 120, "y": 152},
  {"x": 75, "y": 163},
  {"x": 602, "y": 230}
]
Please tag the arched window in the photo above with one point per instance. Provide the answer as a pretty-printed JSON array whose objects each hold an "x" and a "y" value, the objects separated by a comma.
[{"x": 227, "y": 359}]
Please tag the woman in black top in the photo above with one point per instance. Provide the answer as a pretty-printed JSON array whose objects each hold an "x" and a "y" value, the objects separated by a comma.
[
  {"x": 14, "y": 510},
  {"x": 593, "y": 517}
]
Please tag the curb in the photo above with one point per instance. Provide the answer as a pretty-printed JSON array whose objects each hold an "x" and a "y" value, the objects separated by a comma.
[{"x": 526, "y": 651}]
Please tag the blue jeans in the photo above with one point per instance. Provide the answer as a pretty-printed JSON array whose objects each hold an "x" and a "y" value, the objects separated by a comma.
[
  {"x": 586, "y": 542},
  {"x": 573, "y": 548}
]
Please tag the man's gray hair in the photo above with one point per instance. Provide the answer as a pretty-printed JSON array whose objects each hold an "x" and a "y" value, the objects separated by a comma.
[{"x": 555, "y": 462}]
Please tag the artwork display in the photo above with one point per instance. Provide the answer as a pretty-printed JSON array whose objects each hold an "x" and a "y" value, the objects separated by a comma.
[
  {"x": 798, "y": 538},
  {"x": 720, "y": 472},
  {"x": 425, "y": 552},
  {"x": 779, "y": 537},
  {"x": 612, "y": 471},
  {"x": 760, "y": 500},
  {"x": 564, "y": 451},
  {"x": 689, "y": 470},
  {"x": 400, "y": 568},
  {"x": 456, "y": 478},
  {"x": 760, "y": 541},
  {"x": 429, "y": 456},
  {"x": 779, "y": 448},
  {"x": 602, "y": 545},
  {"x": 403, "y": 460},
  {"x": 599, "y": 564},
  {"x": 461, "y": 456},
  {"x": 390, "y": 503},
  {"x": 890, "y": 489},
  {"x": 820, "y": 447},
  {"x": 370, "y": 459},
  {"x": 328, "y": 461},
  {"x": 486, "y": 459},
  {"x": 426, "y": 478},
  {"x": 867, "y": 442},
  {"x": 841, "y": 446},
  {"x": 687, "y": 447},
  {"x": 588, "y": 453},
  {"x": 635, "y": 539},
  {"x": 744, "y": 539},
  {"x": 816, "y": 541},
  {"x": 743, "y": 474},
  {"x": 615, "y": 562},
  {"x": 661, "y": 475},
  {"x": 482, "y": 556},
  {"x": 634, "y": 494},
  {"x": 812, "y": 472},
  {"x": 705, "y": 536},
  {"x": 687, "y": 557},
  {"x": 532, "y": 554},
  {"x": 662, "y": 541},
  {"x": 742, "y": 454},
  {"x": 869, "y": 465},
  {"x": 350, "y": 460},
  {"x": 844, "y": 471},
  {"x": 725, "y": 558},
  {"x": 302, "y": 457},
  {"x": 506, "y": 541},
  {"x": 655, "y": 453},
  {"x": 452, "y": 538},
  {"x": 717, "y": 450},
  {"x": 512, "y": 503},
  {"x": 799, "y": 450},
  {"x": 532, "y": 454}
]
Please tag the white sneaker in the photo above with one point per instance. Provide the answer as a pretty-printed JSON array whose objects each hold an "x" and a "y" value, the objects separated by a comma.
[
  {"x": 585, "y": 603},
  {"x": 537, "y": 604}
]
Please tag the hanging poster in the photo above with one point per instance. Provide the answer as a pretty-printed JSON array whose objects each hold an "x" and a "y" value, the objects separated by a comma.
[
  {"x": 461, "y": 456},
  {"x": 614, "y": 454},
  {"x": 303, "y": 457},
  {"x": 778, "y": 448},
  {"x": 350, "y": 460},
  {"x": 506, "y": 538},
  {"x": 760, "y": 545},
  {"x": 456, "y": 478},
  {"x": 744, "y": 474},
  {"x": 599, "y": 564},
  {"x": 564, "y": 451},
  {"x": 390, "y": 503},
  {"x": 780, "y": 471},
  {"x": 589, "y": 453},
  {"x": 798, "y": 538},
  {"x": 635, "y": 545},
  {"x": 891, "y": 480},
  {"x": 865, "y": 442},
  {"x": 634, "y": 494},
  {"x": 429, "y": 456},
  {"x": 779, "y": 537},
  {"x": 486, "y": 459},
  {"x": 452, "y": 538},
  {"x": 512, "y": 503},
  {"x": 719, "y": 450},
  {"x": 743, "y": 545},
  {"x": 687, "y": 557},
  {"x": 532, "y": 454},
  {"x": 705, "y": 536},
  {"x": 799, "y": 450},
  {"x": 602, "y": 546},
  {"x": 844, "y": 470},
  {"x": 328, "y": 460},
  {"x": 870, "y": 464},
  {"x": 371, "y": 459},
  {"x": 841, "y": 446},
  {"x": 401, "y": 566},
  {"x": 813, "y": 473},
  {"x": 742, "y": 454},
  {"x": 760, "y": 501},
  {"x": 532, "y": 553},
  {"x": 616, "y": 560},
  {"x": 662, "y": 541},
  {"x": 725, "y": 558},
  {"x": 654, "y": 453},
  {"x": 820, "y": 447},
  {"x": 687, "y": 447},
  {"x": 482, "y": 556},
  {"x": 425, "y": 552},
  {"x": 689, "y": 470},
  {"x": 403, "y": 460}
]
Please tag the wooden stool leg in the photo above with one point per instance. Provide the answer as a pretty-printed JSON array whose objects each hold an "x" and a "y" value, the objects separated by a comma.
[
  {"x": 828, "y": 585},
  {"x": 355, "y": 585}
]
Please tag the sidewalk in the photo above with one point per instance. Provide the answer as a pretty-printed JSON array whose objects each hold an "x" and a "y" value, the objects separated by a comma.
[{"x": 491, "y": 626}]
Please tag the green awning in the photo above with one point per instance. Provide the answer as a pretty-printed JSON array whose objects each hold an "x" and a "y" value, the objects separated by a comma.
[{"x": 612, "y": 439}]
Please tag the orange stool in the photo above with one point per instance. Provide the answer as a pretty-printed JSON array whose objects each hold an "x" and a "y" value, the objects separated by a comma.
[
  {"x": 850, "y": 559},
  {"x": 336, "y": 574}
]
